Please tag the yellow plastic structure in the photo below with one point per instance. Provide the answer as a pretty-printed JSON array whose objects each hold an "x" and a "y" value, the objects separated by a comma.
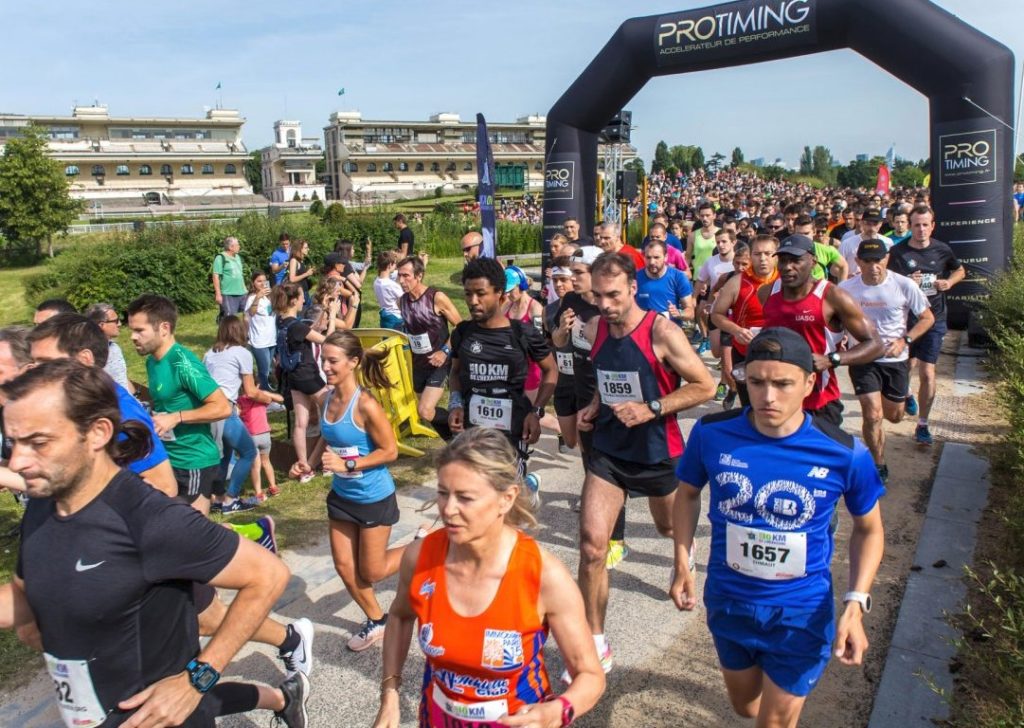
[{"x": 399, "y": 401}]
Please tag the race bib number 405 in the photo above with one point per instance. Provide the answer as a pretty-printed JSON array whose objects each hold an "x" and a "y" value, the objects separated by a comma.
[
  {"x": 491, "y": 412},
  {"x": 76, "y": 696},
  {"x": 616, "y": 387},
  {"x": 769, "y": 555}
]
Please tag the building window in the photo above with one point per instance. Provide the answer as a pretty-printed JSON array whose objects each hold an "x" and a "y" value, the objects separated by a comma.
[
  {"x": 350, "y": 167},
  {"x": 207, "y": 169},
  {"x": 98, "y": 170},
  {"x": 122, "y": 170},
  {"x": 389, "y": 167},
  {"x": 230, "y": 169},
  {"x": 371, "y": 167},
  {"x": 403, "y": 166},
  {"x": 450, "y": 167},
  {"x": 538, "y": 166},
  {"x": 187, "y": 169},
  {"x": 435, "y": 166},
  {"x": 71, "y": 170},
  {"x": 165, "y": 170},
  {"x": 419, "y": 166},
  {"x": 467, "y": 167},
  {"x": 145, "y": 170}
]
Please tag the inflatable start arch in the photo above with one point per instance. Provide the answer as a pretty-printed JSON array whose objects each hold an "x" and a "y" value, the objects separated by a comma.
[{"x": 956, "y": 66}]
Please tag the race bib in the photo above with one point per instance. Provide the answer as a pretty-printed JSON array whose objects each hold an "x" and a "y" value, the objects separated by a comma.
[
  {"x": 169, "y": 435},
  {"x": 347, "y": 453},
  {"x": 578, "y": 339},
  {"x": 565, "y": 365},
  {"x": 616, "y": 387},
  {"x": 448, "y": 713},
  {"x": 76, "y": 695},
  {"x": 768, "y": 555},
  {"x": 419, "y": 343},
  {"x": 491, "y": 412},
  {"x": 928, "y": 284}
]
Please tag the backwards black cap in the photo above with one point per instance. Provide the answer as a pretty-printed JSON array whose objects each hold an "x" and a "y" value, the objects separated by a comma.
[{"x": 790, "y": 348}]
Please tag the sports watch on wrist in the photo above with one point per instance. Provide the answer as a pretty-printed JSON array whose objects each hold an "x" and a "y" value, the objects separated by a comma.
[
  {"x": 350, "y": 465},
  {"x": 834, "y": 360},
  {"x": 908, "y": 340},
  {"x": 568, "y": 712},
  {"x": 655, "y": 406},
  {"x": 539, "y": 411},
  {"x": 862, "y": 598},
  {"x": 201, "y": 675}
]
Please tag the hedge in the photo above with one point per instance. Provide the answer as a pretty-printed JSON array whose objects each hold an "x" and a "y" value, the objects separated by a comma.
[{"x": 175, "y": 260}]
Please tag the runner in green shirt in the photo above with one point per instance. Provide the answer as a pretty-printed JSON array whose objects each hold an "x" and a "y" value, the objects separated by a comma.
[{"x": 829, "y": 260}]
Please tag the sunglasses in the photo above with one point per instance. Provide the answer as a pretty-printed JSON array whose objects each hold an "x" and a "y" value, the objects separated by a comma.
[
  {"x": 112, "y": 321},
  {"x": 470, "y": 247}
]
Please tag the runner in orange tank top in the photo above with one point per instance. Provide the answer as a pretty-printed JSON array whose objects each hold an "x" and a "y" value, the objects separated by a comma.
[{"x": 481, "y": 597}]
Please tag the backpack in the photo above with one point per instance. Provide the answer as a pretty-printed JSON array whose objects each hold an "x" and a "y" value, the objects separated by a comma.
[{"x": 287, "y": 359}]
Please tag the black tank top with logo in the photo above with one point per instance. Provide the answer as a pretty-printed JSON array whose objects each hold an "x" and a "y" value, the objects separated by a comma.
[
  {"x": 427, "y": 329},
  {"x": 584, "y": 381}
]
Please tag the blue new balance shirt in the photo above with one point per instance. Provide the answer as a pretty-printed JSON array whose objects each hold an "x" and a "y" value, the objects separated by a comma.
[
  {"x": 655, "y": 294},
  {"x": 767, "y": 496},
  {"x": 132, "y": 409}
]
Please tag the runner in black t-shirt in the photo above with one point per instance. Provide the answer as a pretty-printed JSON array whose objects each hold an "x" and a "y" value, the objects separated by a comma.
[
  {"x": 114, "y": 602},
  {"x": 490, "y": 356}
]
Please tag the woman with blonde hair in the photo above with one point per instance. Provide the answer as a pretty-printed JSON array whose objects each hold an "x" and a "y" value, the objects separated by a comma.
[
  {"x": 485, "y": 596},
  {"x": 356, "y": 444}
]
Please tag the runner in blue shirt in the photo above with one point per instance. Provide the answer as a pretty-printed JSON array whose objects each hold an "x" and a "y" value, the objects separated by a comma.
[
  {"x": 661, "y": 288},
  {"x": 777, "y": 477}
]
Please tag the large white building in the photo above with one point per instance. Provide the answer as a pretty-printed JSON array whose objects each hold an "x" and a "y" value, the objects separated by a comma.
[
  {"x": 126, "y": 159},
  {"x": 289, "y": 165}
]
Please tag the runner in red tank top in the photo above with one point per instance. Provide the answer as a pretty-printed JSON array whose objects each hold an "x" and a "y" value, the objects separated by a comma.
[
  {"x": 810, "y": 308},
  {"x": 484, "y": 596}
]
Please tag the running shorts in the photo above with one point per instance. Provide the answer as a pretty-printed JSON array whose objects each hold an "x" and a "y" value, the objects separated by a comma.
[
  {"x": 891, "y": 378},
  {"x": 639, "y": 480}
]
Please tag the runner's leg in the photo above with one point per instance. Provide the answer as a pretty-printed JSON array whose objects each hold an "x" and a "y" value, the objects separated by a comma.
[
  {"x": 661, "y": 511},
  {"x": 926, "y": 393},
  {"x": 744, "y": 688},
  {"x": 874, "y": 436},
  {"x": 303, "y": 405},
  {"x": 345, "y": 552},
  {"x": 430, "y": 412},
  {"x": 376, "y": 561},
  {"x": 779, "y": 709},
  {"x": 602, "y": 502}
]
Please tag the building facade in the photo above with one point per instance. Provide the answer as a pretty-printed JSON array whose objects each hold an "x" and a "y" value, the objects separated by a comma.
[
  {"x": 371, "y": 160},
  {"x": 289, "y": 165},
  {"x": 130, "y": 160}
]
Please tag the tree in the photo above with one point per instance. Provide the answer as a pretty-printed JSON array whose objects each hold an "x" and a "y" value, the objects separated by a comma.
[
  {"x": 254, "y": 171},
  {"x": 35, "y": 199},
  {"x": 716, "y": 161},
  {"x": 662, "y": 158},
  {"x": 637, "y": 165},
  {"x": 737, "y": 157},
  {"x": 822, "y": 165},
  {"x": 697, "y": 160},
  {"x": 860, "y": 174},
  {"x": 682, "y": 158},
  {"x": 807, "y": 161}
]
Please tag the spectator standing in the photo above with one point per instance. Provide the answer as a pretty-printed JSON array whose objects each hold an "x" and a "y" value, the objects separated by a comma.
[
  {"x": 279, "y": 259},
  {"x": 228, "y": 278},
  {"x": 388, "y": 291},
  {"x": 51, "y": 307},
  {"x": 253, "y": 414},
  {"x": 298, "y": 271},
  {"x": 262, "y": 324},
  {"x": 105, "y": 316},
  {"x": 406, "y": 240}
]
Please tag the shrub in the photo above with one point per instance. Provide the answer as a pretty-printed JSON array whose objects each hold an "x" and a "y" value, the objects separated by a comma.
[{"x": 317, "y": 207}]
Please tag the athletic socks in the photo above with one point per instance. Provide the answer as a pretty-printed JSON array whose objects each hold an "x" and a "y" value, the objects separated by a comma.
[
  {"x": 922, "y": 421},
  {"x": 600, "y": 643},
  {"x": 251, "y": 531},
  {"x": 291, "y": 640}
]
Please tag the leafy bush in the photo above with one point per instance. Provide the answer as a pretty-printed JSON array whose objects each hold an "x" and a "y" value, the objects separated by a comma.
[{"x": 317, "y": 207}]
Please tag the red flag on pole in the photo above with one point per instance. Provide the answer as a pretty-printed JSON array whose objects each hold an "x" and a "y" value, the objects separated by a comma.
[{"x": 882, "y": 186}]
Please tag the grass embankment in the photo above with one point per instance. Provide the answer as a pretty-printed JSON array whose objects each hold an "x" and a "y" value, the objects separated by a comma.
[
  {"x": 298, "y": 511},
  {"x": 990, "y": 663}
]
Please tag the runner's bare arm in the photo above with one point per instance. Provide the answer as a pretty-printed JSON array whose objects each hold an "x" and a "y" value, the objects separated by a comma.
[
  {"x": 685, "y": 514},
  {"x": 560, "y": 336},
  {"x": 585, "y": 417},
  {"x": 686, "y": 308},
  {"x": 456, "y": 412},
  {"x": 375, "y": 422},
  {"x": 867, "y": 543},
  {"x": 11, "y": 480},
  {"x": 869, "y": 346},
  {"x": 672, "y": 348},
  {"x": 161, "y": 477},
  {"x": 723, "y": 302},
  {"x": 444, "y": 307},
  {"x": 397, "y": 637},
  {"x": 944, "y": 284},
  {"x": 840, "y": 269},
  {"x": 214, "y": 407}
]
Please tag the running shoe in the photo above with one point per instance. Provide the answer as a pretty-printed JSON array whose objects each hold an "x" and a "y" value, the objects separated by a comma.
[
  {"x": 299, "y": 658},
  {"x": 368, "y": 635},
  {"x": 274, "y": 407},
  {"x": 922, "y": 435},
  {"x": 607, "y": 662},
  {"x": 883, "y": 473},
  {"x": 705, "y": 347},
  {"x": 296, "y": 693},
  {"x": 215, "y": 507},
  {"x": 911, "y": 406},
  {"x": 617, "y": 551},
  {"x": 720, "y": 392},
  {"x": 273, "y": 490},
  {"x": 730, "y": 400},
  {"x": 695, "y": 337},
  {"x": 267, "y": 539},
  {"x": 562, "y": 447},
  {"x": 307, "y": 477},
  {"x": 237, "y": 506},
  {"x": 533, "y": 489}
]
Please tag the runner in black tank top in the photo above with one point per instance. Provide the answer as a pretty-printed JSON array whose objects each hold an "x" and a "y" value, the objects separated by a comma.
[
  {"x": 640, "y": 360},
  {"x": 565, "y": 395},
  {"x": 427, "y": 312},
  {"x": 490, "y": 355}
]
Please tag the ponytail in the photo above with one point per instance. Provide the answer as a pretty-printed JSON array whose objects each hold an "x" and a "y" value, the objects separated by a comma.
[
  {"x": 371, "y": 367},
  {"x": 133, "y": 442}
]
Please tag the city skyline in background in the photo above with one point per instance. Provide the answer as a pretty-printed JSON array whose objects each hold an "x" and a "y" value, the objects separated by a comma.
[{"x": 405, "y": 62}]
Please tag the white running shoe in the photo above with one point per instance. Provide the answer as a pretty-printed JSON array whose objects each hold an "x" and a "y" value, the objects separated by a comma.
[
  {"x": 369, "y": 634},
  {"x": 299, "y": 659}
]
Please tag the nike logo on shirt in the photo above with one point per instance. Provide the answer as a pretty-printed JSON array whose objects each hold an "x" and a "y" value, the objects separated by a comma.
[{"x": 85, "y": 567}]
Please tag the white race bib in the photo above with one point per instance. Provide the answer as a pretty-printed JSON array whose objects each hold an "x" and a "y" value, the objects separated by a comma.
[
  {"x": 578, "y": 339},
  {"x": 419, "y": 343},
  {"x": 616, "y": 387},
  {"x": 565, "y": 365},
  {"x": 491, "y": 412},
  {"x": 928, "y": 284},
  {"x": 768, "y": 555},
  {"x": 348, "y": 453},
  {"x": 76, "y": 695},
  {"x": 169, "y": 435},
  {"x": 443, "y": 709}
]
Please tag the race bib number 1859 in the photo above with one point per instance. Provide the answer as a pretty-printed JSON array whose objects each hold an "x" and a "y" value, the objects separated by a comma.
[{"x": 616, "y": 387}]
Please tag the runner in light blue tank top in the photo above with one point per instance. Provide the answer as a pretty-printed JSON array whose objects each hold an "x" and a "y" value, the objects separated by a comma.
[{"x": 348, "y": 440}]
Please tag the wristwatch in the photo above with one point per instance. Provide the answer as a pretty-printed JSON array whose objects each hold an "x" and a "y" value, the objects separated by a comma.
[
  {"x": 655, "y": 406},
  {"x": 539, "y": 411},
  {"x": 201, "y": 675},
  {"x": 568, "y": 712},
  {"x": 350, "y": 465},
  {"x": 862, "y": 598},
  {"x": 908, "y": 340},
  {"x": 834, "y": 360}
]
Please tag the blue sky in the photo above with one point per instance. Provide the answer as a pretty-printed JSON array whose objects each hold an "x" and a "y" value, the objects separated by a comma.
[{"x": 407, "y": 60}]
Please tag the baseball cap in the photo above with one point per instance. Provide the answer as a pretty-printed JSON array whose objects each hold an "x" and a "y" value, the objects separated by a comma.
[
  {"x": 872, "y": 250},
  {"x": 796, "y": 245},
  {"x": 872, "y": 214},
  {"x": 560, "y": 272},
  {"x": 838, "y": 208},
  {"x": 791, "y": 348},
  {"x": 586, "y": 255},
  {"x": 513, "y": 279},
  {"x": 332, "y": 259}
]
